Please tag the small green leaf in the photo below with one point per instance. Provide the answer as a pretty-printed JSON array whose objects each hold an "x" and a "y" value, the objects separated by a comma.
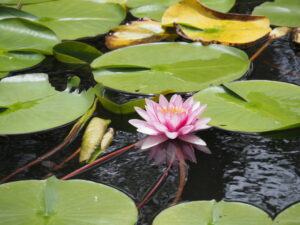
[{"x": 75, "y": 52}]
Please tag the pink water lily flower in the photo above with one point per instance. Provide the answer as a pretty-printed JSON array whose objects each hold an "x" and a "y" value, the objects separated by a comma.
[{"x": 170, "y": 120}]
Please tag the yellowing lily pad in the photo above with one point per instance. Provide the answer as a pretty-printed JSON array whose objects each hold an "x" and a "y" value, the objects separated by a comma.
[
  {"x": 196, "y": 22},
  {"x": 136, "y": 32}
]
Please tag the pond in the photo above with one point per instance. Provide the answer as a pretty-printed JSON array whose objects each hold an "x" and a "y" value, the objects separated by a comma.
[{"x": 258, "y": 169}]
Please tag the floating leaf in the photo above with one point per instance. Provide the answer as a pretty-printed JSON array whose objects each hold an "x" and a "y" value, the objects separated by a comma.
[
  {"x": 211, "y": 212},
  {"x": 3, "y": 74},
  {"x": 289, "y": 216},
  {"x": 252, "y": 106},
  {"x": 18, "y": 60},
  {"x": 24, "y": 2},
  {"x": 75, "y": 52},
  {"x": 9, "y": 12},
  {"x": 279, "y": 32},
  {"x": 154, "y": 9},
  {"x": 72, "y": 19},
  {"x": 92, "y": 137},
  {"x": 55, "y": 202},
  {"x": 23, "y": 35},
  {"x": 19, "y": 39},
  {"x": 296, "y": 35},
  {"x": 29, "y": 103},
  {"x": 199, "y": 23},
  {"x": 280, "y": 12},
  {"x": 180, "y": 67},
  {"x": 137, "y": 32}
]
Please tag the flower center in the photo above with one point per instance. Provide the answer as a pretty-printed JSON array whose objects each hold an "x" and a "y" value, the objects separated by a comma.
[{"x": 173, "y": 110}]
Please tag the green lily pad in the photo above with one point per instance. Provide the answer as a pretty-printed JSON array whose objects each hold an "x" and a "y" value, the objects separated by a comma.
[
  {"x": 28, "y": 103},
  {"x": 55, "y": 202},
  {"x": 212, "y": 213},
  {"x": 19, "y": 60},
  {"x": 24, "y": 2},
  {"x": 154, "y": 9},
  {"x": 281, "y": 12},
  {"x": 3, "y": 74},
  {"x": 23, "y": 35},
  {"x": 289, "y": 216},
  {"x": 252, "y": 106},
  {"x": 9, "y": 12},
  {"x": 180, "y": 67},
  {"x": 75, "y": 52},
  {"x": 72, "y": 19}
]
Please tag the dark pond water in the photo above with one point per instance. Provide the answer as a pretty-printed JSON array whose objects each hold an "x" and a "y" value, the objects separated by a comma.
[{"x": 251, "y": 168}]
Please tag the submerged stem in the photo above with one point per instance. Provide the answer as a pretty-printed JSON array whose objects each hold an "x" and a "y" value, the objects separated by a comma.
[
  {"x": 100, "y": 160},
  {"x": 262, "y": 48},
  {"x": 70, "y": 137},
  {"x": 181, "y": 178},
  {"x": 156, "y": 185},
  {"x": 59, "y": 166},
  {"x": 66, "y": 141}
]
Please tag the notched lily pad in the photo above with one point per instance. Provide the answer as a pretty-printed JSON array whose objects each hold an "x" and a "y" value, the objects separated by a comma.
[
  {"x": 252, "y": 106},
  {"x": 289, "y": 216},
  {"x": 31, "y": 104},
  {"x": 196, "y": 22},
  {"x": 180, "y": 67},
  {"x": 55, "y": 202},
  {"x": 280, "y": 12},
  {"x": 211, "y": 212},
  {"x": 136, "y": 32}
]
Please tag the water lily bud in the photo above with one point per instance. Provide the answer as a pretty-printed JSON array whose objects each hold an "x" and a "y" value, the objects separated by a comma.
[
  {"x": 279, "y": 32},
  {"x": 107, "y": 139},
  {"x": 92, "y": 137}
]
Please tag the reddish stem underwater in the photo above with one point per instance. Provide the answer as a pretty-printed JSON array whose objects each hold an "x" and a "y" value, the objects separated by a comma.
[
  {"x": 100, "y": 160},
  {"x": 66, "y": 141},
  {"x": 153, "y": 189}
]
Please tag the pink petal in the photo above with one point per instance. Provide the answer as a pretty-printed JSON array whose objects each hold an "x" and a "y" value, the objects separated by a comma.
[
  {"x": 189, "y": 153},
  {"x": 186, "y": 129},
  {"x": 203, "y": 148},
  {"x": 151, "y": 141},
  {"x": 160, "y": 127},
  {"x": 188, "y": 103},
  {"x": 201, "y": 124},
  {"x": 193, "y": 139},
  {"x": 174, "y": 122},
  {"x": 195, "y": 114},
  {"x": 174, "y": 99},
  {"x": 143, "y": 127},
  {"x": 171, "y": 135},
  {"x": 163, "y": 102},
  {"x": 142, "y": 113}
]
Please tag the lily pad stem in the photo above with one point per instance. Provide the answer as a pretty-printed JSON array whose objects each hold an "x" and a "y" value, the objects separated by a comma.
[
  {"x": 61, "y": 165},
  {"x": 156, "y": 185},
  {"x": 262, "y": 48},
  {"x": 100, "y": 160},
  {"x": 182, "y": 169},
  {"x": 66, "y": 141}
]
